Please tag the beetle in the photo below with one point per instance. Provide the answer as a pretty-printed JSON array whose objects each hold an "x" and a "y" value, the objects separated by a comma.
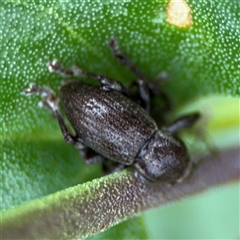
[{"x": 108, "y": 124}]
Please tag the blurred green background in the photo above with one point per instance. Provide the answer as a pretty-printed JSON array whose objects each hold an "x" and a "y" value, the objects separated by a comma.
[{"x": 211, "y": 215}]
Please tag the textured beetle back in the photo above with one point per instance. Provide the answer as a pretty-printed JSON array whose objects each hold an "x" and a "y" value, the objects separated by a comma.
[{"x": 107, "y": 121}]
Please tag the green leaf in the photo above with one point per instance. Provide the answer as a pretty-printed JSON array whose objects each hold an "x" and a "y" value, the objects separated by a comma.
[{"x": 202, "y": 59}]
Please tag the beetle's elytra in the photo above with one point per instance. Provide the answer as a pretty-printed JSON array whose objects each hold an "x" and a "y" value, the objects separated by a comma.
[{"x": 110, "y": 125}]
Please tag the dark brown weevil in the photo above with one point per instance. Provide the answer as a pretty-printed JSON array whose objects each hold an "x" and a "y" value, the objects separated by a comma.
[{"x": 110, "y": 125}]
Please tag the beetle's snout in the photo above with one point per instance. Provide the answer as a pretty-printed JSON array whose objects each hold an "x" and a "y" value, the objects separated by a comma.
[{"x": 162, "y": 158}]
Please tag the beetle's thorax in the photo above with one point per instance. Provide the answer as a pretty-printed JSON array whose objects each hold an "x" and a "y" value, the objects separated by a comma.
[{"x": 163, "y": 158}]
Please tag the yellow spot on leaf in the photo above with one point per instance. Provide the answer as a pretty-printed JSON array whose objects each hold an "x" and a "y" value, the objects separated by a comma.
[{"x": 179, "y": 13}]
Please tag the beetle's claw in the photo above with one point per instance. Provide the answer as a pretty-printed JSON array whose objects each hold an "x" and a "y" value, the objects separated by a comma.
[
  {"x": 33, "y": 88},
  {"x": 55, "y": 66},
  {"x": 49, "y": 99}
]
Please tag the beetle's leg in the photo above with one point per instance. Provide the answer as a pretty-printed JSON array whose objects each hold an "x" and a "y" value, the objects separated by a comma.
[
  {"x": 50, "y": 101},
  {"x": 142, "y": 81},
  {"x": 183, "y": 122},
  {"x": 109, "y": 167},
  {"x": 122, "y": 57},
  {"x": 90, "y": 156},
  {"x": 55, "y": 66},
  {"x": 146, "y": 87},
  {"x": 144, "y": 94},
  {"x": 153, "y": 87},
  {"x": 106, "y": 83}
]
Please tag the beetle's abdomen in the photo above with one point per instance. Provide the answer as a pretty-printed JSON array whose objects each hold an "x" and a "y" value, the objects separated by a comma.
[{"x": 107, "y": 121}]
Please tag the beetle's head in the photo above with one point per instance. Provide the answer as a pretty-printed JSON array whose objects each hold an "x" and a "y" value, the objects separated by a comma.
[{"x": 162, "y": 158}]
